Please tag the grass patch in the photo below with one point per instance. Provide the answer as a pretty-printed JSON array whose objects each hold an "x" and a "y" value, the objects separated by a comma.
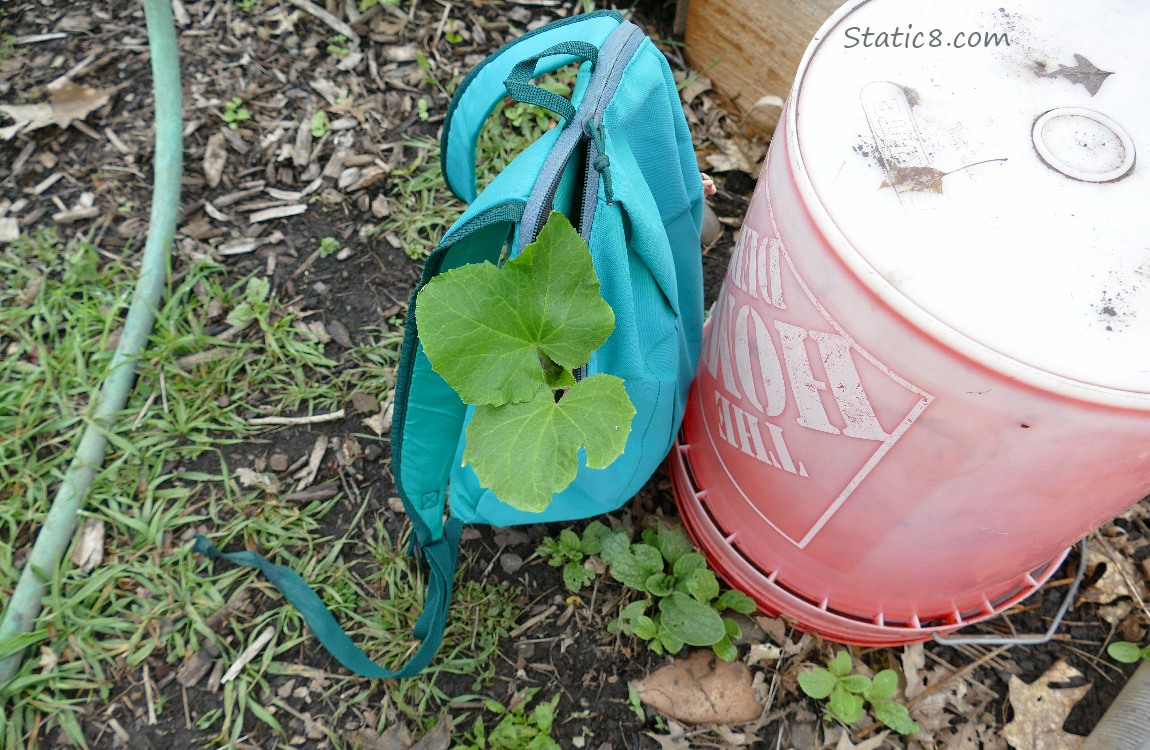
[
  {"x": 221, "y": 352},
  {"x": 423, "y": 208}
]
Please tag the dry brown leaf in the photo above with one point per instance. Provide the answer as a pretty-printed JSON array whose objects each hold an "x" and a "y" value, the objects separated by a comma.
[
  {"x": 675, "y": 739},
  {"x": 252, "y": 478},
  {"x": 397, "y": 737},
  {"x": 1040, "y": 710},
  {"x": 872, "y": 743},
  {"x": 69, "y": 102},
  {"x": 439, "y": 738},
  {"x": 1121, "y": 580},
  {"x": 915, "y": 179},
  {"x": 702, "y": 689},
  {"x": 979, "y": 733}
]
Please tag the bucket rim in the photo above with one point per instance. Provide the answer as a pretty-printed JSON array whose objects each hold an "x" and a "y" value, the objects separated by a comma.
[{"x": 896, "y": 300}]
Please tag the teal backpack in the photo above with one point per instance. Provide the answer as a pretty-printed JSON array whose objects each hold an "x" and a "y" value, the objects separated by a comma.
[{"x": 622, "y": 167}]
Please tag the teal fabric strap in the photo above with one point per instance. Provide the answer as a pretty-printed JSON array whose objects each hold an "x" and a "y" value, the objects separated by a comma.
[
  {"x": 521, "y": 91},
  {"x": 442, "y": 556}
]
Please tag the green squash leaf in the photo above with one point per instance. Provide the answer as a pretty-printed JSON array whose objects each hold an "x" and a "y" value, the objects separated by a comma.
[
  {"x": 694, "y": 623},
  {"x": 527, "y": 452},
  {"x": 490, "y": 332}
]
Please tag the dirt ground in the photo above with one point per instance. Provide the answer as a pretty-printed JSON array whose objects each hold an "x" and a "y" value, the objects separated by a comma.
[{"x": 94, "y": 176}]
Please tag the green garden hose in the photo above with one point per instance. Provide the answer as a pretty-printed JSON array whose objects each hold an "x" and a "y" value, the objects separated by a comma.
[{"x": 56, "y": 534}]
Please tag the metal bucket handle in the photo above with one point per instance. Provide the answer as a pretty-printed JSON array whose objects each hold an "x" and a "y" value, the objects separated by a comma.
[{"x": 1025, "y": 640}]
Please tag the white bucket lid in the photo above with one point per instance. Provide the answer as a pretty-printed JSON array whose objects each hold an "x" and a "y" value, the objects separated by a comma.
[{"x": 1040, "y": 254}]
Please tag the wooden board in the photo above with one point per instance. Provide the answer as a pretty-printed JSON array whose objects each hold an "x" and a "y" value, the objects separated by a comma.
[{"x": 752, "y": 48}]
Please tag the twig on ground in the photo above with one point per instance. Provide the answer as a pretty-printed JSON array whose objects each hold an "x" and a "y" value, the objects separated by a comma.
[
  {"x": 249, "y": 653},
  {"x": 337, "y": 25},
  {"x": 334, "y": 416},
  {"x": 533, "y": 621}
]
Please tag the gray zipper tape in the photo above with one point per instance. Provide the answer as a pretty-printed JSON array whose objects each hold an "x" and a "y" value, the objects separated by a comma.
[{"x": 614, "y": 55}]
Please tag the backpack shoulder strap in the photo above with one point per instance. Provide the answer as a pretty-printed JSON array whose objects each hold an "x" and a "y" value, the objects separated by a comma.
[
  {"x": 484, "y": 87},
  {"x": 442, "y": 558}
]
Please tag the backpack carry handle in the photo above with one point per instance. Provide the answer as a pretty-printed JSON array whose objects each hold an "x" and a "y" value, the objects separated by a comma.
[
  {"x": 519, "y": 88},
  {"x": 483, "y": 88}
]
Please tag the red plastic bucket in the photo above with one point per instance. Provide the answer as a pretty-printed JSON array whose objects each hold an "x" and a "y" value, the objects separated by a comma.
[{"x": 928, "y": 371}]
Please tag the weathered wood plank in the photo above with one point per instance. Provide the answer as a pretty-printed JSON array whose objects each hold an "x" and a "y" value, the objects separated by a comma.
[{"x": 754, "y": 47}]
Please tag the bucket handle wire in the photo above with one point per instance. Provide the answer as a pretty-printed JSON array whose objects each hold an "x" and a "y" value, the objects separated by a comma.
[{"x": 1025, "y": 640}]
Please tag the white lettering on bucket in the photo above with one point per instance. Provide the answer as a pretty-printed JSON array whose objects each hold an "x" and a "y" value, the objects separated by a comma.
[{"x": 780, "y": 367}]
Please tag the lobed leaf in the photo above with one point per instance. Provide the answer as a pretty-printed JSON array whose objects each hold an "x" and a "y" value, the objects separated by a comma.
[
  {"x": 575, "y": 576},
  {"x": 526, "y": 452},
  {"x": 489, "y": 332}
]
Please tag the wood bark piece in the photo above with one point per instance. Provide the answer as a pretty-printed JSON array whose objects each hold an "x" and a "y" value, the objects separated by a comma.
[
  {"x": 280, "y": 212},
  {"x": 755, "y": 47},
  {"x": 215, "y": 159}
]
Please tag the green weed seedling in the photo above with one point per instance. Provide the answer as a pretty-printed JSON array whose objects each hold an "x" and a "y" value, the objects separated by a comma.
[
  {"x": 570, "y": 552},
  {"x": 337, "y": 47},
  {"x": 846, "y": 693},
  {"x": 329, "y": 246},
  {"x": 1127, "y": 652},
  {"x": 319, "y": 125},
  {"x": 684, "y": 606},
  {"x": 234, "y": 112},
  {"x": 507, "y": 340},
  {"x": 518, "y": 728}
]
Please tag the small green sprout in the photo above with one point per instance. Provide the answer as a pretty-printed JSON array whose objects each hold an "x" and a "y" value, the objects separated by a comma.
[
  {"x": 570, "y": 552},
  {"x": 234, "y": 112},
  {"x": 846, "y": 694},
  {"x": 319, "y": 125},
  {"x": 337, "y": 47},
  {"x": 329, "y": 246},
  {"x": 1127, "y": 652}
]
